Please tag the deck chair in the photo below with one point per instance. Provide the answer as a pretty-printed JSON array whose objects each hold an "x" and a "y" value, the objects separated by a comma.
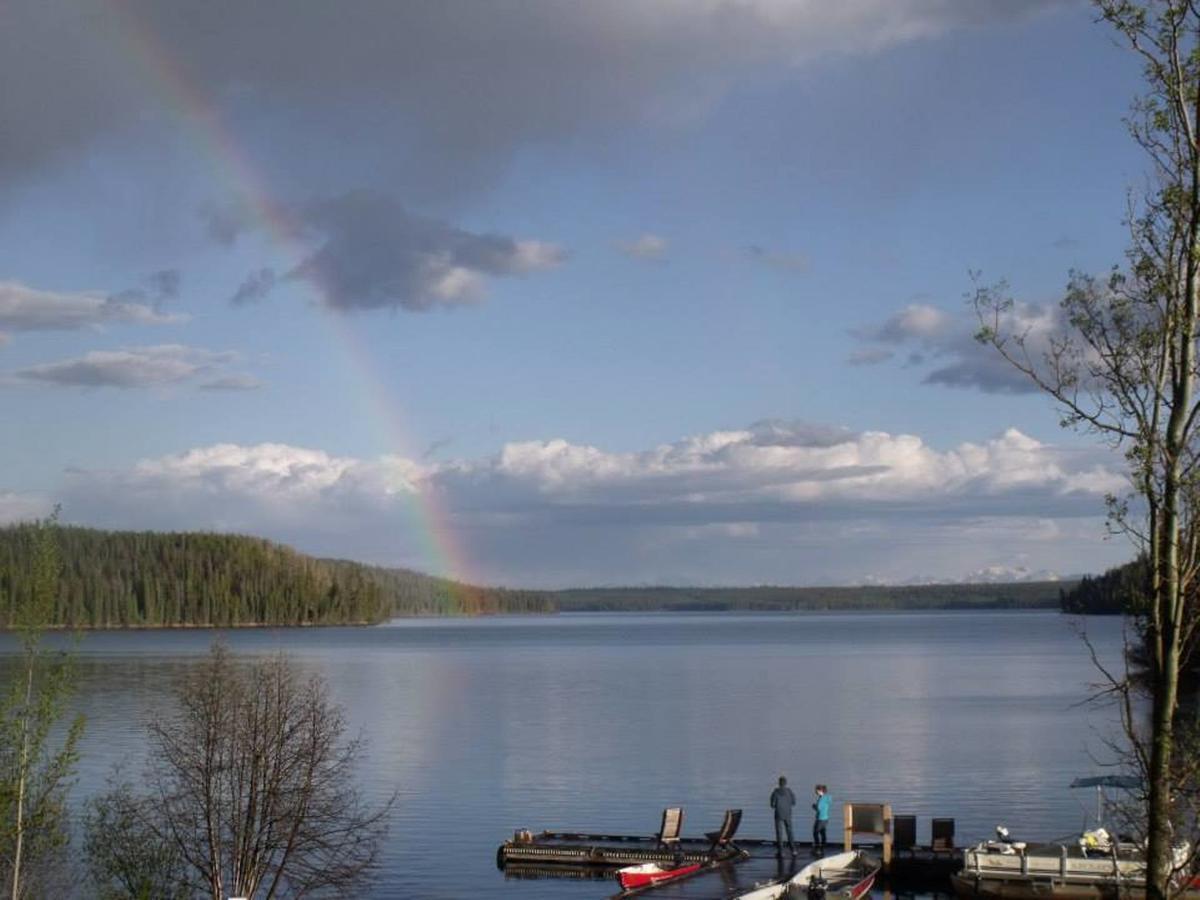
[
  {"x": 672, "y": 825},
  {"x": 943, "y": 834},
  {"x": 904, "y": 832},
  {"x": 722, "y": 838}
]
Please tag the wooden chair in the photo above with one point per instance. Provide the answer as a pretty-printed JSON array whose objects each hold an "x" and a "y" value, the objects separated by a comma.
[
  {"x": 672, "y": 825},
  {"x": 904, "y": 832},
  {"x": 722, "y": 838},
  {"x": 943, "y": 834}
]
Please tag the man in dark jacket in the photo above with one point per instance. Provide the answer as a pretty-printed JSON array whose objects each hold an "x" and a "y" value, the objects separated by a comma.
[{"x": 782, "y": 801}]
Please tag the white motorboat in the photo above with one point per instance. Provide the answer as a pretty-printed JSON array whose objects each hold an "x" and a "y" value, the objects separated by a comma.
[{"x": 842, "y": 876}]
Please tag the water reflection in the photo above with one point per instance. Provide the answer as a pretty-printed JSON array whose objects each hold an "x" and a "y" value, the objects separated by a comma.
[{"x": 598, "y": 722}]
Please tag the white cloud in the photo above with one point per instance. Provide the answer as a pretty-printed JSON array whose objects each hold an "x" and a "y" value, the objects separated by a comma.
[
  {"x": 370, "y": 252},
  {"x": 232, "y": 383},
  {"x": 787, "y": 260},
  {"x": 135, "y": 367},
  {"x": 943, "y": 343},
  {"x": 535, "y": 256},
  {"x": 869, "y": 356},
  {"x": 651, "y": 247},
  {"x": 23, "y": 507},
  {"x": 803, "y": 498},
  {"x": 23, "y": 308},
  {"x": 917, "y": 321}
]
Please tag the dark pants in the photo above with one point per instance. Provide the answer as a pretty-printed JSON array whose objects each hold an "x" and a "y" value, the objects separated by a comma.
[
  {"x": 819, "y": 833},
  {"x": 782, "y": 825}
]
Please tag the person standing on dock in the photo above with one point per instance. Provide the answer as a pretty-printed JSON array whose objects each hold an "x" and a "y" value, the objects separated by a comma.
[
  {"x": 782, "y": 801},
  {"x": 821, "y": 822}
]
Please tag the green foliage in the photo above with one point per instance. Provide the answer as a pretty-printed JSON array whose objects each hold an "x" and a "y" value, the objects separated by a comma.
[
  {"x": 34, "y": 773},
  {"x": 1025, "y": 595},
  {"x": 416, "y": 594},
  {"x": 123, "y": 579},
  {"x": 149, "y": 579},
  {"x": 1119, "y": 591},
  {"x": 127, "y": 857},
  {"x": 250, "y": 790}
]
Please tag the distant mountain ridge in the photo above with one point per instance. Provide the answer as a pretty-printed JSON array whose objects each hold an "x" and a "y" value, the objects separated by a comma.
[{"x": 127, "y": 579}]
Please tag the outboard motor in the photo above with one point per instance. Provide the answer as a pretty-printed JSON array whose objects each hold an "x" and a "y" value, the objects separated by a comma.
[
  {"x": 816, "y": 888},
  {"x": 1003, "y": 842}
]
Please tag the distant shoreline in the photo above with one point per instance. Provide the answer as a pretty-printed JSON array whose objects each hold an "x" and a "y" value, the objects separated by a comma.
[{"x": 261, "y": 626}]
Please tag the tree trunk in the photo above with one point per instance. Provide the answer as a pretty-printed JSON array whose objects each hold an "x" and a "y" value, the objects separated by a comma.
[
  {"x": 1159, "y": 851},
  {"x": 22, "y": 773}
]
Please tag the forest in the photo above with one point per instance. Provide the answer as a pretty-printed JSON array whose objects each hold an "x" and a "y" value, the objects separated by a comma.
[
  {"x": 1119, "y": 591},
  {"x": 145, "y": 579},
  {"x": 1018, "y": 595},
  {"x": 124, "y": 579}
]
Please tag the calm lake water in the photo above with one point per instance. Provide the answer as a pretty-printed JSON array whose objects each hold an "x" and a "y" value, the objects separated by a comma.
[{"x": 596, "y": 722}]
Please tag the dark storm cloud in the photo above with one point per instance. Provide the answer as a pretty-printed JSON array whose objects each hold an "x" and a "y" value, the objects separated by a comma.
[
  {"x": 373, "y": 253},
  {"x": 448, "y": 90}
]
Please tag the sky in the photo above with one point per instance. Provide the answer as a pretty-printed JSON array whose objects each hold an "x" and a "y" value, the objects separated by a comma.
[{"x": 537, "y": 293}]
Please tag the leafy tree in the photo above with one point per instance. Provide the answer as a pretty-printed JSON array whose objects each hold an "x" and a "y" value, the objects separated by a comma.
[
  {"x": 1123, "y": 365},
  {"x": 251, "y": 793},
  {"x": 34, "y": 773},
  {"x": 127, "y": 856}
]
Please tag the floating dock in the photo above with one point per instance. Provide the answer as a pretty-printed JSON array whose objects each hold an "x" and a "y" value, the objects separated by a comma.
[
  {"x": 734, "y": 865},
  {"x": 578, "y": 855}
]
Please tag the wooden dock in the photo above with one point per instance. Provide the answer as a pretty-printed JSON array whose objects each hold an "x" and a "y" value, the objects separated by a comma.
[{"x": 579, "y": 855}]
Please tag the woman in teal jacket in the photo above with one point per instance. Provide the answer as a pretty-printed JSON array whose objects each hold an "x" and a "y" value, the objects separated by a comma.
[{"x": 821, "y": 807}]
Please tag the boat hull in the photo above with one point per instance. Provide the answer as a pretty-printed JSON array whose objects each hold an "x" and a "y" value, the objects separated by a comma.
[
  {"x": 643, "y": 876},
  {"x": 848, "y": 876},
  {"x": 968, "y": 885}
]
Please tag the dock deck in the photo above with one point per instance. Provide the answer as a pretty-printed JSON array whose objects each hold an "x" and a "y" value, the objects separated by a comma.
[{"x": 572, "y": 855}]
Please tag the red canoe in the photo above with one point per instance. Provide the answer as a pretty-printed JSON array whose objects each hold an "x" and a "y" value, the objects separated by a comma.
[{"x": 652, "y": 873}]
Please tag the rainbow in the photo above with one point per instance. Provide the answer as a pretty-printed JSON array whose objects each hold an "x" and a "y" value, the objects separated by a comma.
[{"x": 430, "y": 520}]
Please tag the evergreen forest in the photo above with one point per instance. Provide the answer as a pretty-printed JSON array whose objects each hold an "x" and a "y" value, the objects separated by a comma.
[
  {"x": 1119, "y": 591},
  {"x": 124, "y": 579},
  {"x": 145, "y": 579},
  {"x": 1016, "y": 595}
]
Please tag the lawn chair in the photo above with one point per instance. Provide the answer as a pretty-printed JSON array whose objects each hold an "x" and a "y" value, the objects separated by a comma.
[
  {"x": 722, "y": 838},
  {"x": 672, "y": 825},
  {"x": 904, "y": 832},
  {"x": 943, "y": 834}
]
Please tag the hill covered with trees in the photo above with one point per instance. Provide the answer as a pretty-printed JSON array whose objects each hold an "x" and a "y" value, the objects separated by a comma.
[
  {"x": 126, "y": 579},
  {"x": 121, "y": 579},
  {"x": 1019, "y": 595},
  {"x": 1119, "y": 591}
]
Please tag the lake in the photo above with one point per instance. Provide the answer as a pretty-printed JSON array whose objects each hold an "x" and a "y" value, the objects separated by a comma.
[{"x": 596, "y": 722}]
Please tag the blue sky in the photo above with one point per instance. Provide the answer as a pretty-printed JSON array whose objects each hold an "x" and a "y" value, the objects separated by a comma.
[{"x": 624, "y": 293}]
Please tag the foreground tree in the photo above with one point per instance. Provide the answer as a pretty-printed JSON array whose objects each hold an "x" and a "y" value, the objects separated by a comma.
[
  {"x": 128, "y": 856},
  {"x": 1121, "y": 362},
  {"x": 35, "y": 771},
  {"x": 252, "y": 793}
]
